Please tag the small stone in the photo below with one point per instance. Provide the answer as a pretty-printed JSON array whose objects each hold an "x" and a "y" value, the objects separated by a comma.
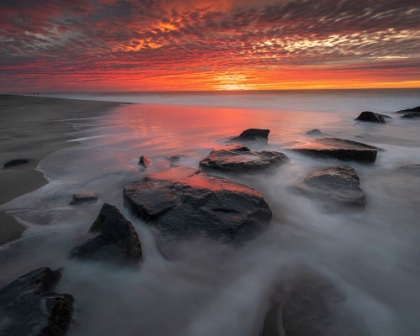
[{"x": 84, "y": 198}]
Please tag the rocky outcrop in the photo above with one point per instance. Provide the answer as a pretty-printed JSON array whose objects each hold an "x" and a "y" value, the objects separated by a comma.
[
  {"x": 253, "y": 134},
  {"x": 185, "y": 202},
  {"x": 334, "y": 186},
  {"x": 15, "y": 162},
  {"x": 115, "y": 239},
  {"x": 240, "y": 159},
  {"x": 368, "y": 116},
  {"x": 341, "y": 149},
  {"x": 143, "y": 161},
  {"x": 410, "y": 110},
  {"x": 84, "y": 197},
  {"x": 29, "y": 306},
  {"x": 410, "y": 168},
  {"x": 413, "y": 115}
]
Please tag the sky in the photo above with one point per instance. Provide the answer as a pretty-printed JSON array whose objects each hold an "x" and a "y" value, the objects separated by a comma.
[{"x": 169, "y": 45}]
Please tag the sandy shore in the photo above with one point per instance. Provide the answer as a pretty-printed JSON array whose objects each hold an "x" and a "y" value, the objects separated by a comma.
[{"x": 30, "y": 127}]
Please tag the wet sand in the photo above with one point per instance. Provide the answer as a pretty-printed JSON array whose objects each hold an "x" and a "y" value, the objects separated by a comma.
[{"x": 31, "y": 127}]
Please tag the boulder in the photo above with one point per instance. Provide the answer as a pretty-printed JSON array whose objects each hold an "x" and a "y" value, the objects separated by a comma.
[
  {"x": 341, "y": 149},
  {"x": 337, "y": 185},
  {"x": 253, "y": 134},
  {"x": 410, "y": 168},
  {"x": 15, "y": 162},
  {"x": 84, "y": 197},
  {"x": 29, "y": 306},
  {"x": 415, "y": 109},
  {"x": 371, "y": 117},
  {"x": 143, "y": 161},
  {"x": 315, "y": 131},
  {"x": 413, "y": 115},
  {"x": 240, "y": 159},
  {"x": 115, "y": 239},
  {"x": 185, "y": 202}
]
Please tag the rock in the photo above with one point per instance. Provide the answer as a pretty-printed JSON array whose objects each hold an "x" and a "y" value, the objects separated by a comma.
[
  {"x": 15, "y": 162},
  {"x": 371, "y": 117},
  {"x": 339, "y": 185},
  {"x": 253, "y": 134},
  {"x": 172, "y": 159},
  {"x": 413, "y": 115},
  {"x": 240, "y": 159},
  {"x": 185, "y": 202},
  {"x": 84, "y": 197},
  {"x": 29, "y": 306},
  {"x": 415, "y": 109},
  {"x": 410, "y": 168},
  {"x": 314, "y": 132},
  {"x": 116, "y": 239},
  {"x": 144, "y": 161},
  {"x": 341, "y": 149}
]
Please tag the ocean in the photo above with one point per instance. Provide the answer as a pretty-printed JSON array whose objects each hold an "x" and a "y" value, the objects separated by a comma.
[{"x": 373, "y": 256}]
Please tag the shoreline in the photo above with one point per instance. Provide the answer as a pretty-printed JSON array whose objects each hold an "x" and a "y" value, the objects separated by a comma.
[{"x": 31, "y": 127}]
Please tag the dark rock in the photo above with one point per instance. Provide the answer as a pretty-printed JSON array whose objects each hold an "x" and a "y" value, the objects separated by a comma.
[
  {"x": 410, "y": 168},
  {"x": 413, "y": 115},
  {"x": 84, "y": 197},
  {"x": 415, "y": 109},
  {"x": 314, "y": 132},
  {"x": 338, "y": 185},
  {"x": 172, "y": 159},
  {"x": 185, "y": 202},
  {"x": 341, "y": 149},
  {"x": 116, "y": 240},
  {"x": 15, "y": 162},
  {"x": 144, "y": 161},
  {"x": 371, "y": 117},
  {"x": 29, "y": 306},
  {"x": 253, "y": 134},
  {"x": 240, "y": 159}
]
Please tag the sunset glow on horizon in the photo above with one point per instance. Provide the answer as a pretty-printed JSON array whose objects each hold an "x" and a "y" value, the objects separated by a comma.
[{"x": 164, "y": 45}]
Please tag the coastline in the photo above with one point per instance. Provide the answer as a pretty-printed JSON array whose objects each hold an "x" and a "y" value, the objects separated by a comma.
[{"x": 30, "y": 127}]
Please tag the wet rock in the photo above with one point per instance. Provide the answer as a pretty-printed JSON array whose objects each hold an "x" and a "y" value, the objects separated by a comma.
[
  {"x": 172, "y": 159},
  {"x": 115, "y": 239},
  {"x": 240, "y": 159},
  {"x": 253, "y": 134},
  {"x": 413, "y": 115},
  {"x": 410, "y": 168},
  {"x": 314, "y": 132},
  {"x": 29, "y": 306},
  {"x": 341, "y": 149},
  {"x": 368, "y": 116},
  {"x": 410, "y": 110},
  {"x": 84, "y": 197},
  {"x": 15, "y": 162},
  {"x": 185, "y": 202},
  {"x": 337, "y": 185},
  {"x": 143, "y": 161}
]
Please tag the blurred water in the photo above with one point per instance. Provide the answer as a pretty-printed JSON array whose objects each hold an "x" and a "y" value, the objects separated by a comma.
[{"x": 214, "y": 289}]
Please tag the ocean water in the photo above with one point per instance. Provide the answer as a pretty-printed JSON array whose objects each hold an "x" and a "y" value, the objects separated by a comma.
[{"x": 373, "y": 257}]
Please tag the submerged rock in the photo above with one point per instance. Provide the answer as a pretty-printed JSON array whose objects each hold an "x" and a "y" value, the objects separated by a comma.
[
  {"x": 185, "y": 202},
  {"x": 410, "y": 168},
  {"x": 143, "y": 161},
  {"x": 338, "y": 185},
  {"x": 341, "y": 149},
  {"x": 29, "y": 306},
  {"x": 240, "y": 159},
  {"x": 84, "y": 197},
  {"x": 314, "y": 132},
  {"x": 116, "y": 240},
  {"x": 15, "y": 162},
  {"x": 253, "y": 134},
  {"x": 172, "y": 159},
  {"x": 371, "y": 117}
]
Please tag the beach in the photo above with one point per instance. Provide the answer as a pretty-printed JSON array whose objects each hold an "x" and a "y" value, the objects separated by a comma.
[{"x": 32, "y": 127}]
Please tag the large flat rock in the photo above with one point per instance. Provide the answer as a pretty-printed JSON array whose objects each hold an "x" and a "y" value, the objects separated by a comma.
[
  {"x": 341, "y": 149},
  {"x": 338, "y": 185},
  {"x": 240, "y": 159},
  {"x": 28, "y": 305},
  {"x": 186, "y": 202},
  {"x": 115, "y": 239}
]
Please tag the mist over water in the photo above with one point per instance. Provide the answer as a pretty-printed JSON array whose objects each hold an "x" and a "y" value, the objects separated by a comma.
[{"x": 208, "y": 288}]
